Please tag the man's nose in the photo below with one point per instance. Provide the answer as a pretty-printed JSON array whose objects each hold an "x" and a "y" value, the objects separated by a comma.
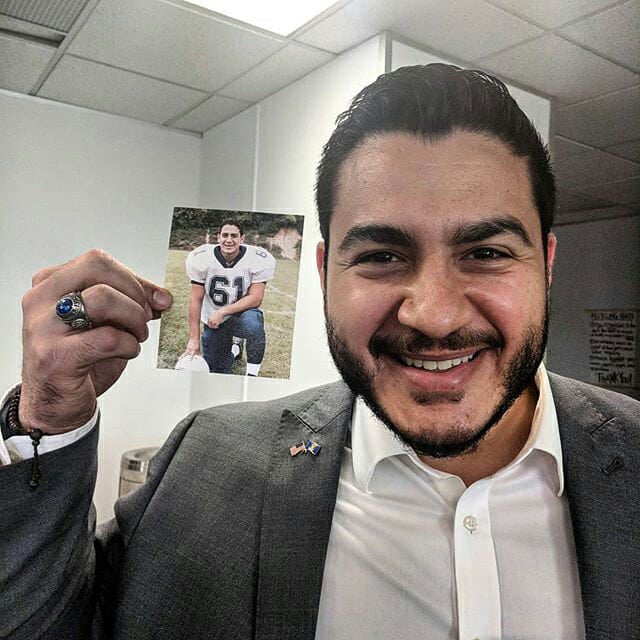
[{"x": 435, "y": 302}]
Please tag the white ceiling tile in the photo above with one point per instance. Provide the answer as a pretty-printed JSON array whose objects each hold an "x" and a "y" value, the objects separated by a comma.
[
  {"x": 561, "y": 69},
  {"x": 614, "y": 33},
  {"x": 603, "y": 121},
  {"x": 592, "y": 168},
  {"x": 570, "y": 201},
  {"x": 625, "y": 191},
  {"x": 281, "y": 69},
  {"x": 22, "y": 63},
  {"x": 354, "y": 23},
  {"x": 553, "y": 13},
  {"x": 213, "y": 111},
  {"x": 464, "y": 29},
  {"x": 175, "y": 43},
  {"x": 103, "y": 88},
  {"x": 563, "y": 148},
  {"x": 629, "y": 150}
]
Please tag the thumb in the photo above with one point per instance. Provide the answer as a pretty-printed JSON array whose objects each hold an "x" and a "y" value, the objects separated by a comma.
[{"x": 161, "y": 299}]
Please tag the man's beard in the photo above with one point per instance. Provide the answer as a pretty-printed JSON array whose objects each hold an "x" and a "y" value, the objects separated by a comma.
[{"x": 457, "y": 440}]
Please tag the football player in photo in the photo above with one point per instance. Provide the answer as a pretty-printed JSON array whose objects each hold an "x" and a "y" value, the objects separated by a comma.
[{"x": 228, "y": 281}]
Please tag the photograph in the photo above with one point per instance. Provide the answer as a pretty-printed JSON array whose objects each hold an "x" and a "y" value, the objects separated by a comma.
[{"x": 234, "y": 279}]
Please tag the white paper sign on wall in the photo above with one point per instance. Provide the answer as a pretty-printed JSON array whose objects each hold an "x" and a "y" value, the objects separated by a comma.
[{"x": 612, "y": 347}]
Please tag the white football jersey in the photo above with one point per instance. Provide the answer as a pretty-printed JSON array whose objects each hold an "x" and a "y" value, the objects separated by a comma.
[{"x": 224, "y": 282}]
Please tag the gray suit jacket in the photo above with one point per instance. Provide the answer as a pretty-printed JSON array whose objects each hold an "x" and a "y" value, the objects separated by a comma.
[{"x": 228, "y": 537}]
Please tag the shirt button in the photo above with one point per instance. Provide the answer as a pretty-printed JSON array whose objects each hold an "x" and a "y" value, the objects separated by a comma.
[{"x": 470, "y": 523}]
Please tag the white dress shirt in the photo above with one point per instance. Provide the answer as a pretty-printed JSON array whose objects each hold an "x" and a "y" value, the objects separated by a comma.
[{"x": 415, "y": 555}]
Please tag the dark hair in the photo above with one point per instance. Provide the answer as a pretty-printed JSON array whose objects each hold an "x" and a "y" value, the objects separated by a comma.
[
  {"x": 234, "y": 223},
  {"x": 433, "y": 101}
]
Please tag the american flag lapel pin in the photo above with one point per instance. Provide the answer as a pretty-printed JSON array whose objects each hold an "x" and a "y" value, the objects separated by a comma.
[
  {"x": 307, "y": 446},
  {"x": 296, "y": 449}
]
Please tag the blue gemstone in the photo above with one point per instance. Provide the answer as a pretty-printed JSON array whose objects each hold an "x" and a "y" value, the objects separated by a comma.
[{"x": 64, "y": 306}]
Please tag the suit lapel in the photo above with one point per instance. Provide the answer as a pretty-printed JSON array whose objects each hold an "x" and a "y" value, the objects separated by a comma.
[
  {"x": 600, "y": 453},
  {"x": 296, "y": 519}
]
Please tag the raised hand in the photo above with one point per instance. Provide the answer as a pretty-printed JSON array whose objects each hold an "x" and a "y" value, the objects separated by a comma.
[{"x": 64, "y": 369}]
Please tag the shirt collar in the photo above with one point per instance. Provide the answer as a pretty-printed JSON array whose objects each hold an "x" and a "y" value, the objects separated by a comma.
[
  {"x": 372, "y": 442},
  {"x": 545, "y": 433}
]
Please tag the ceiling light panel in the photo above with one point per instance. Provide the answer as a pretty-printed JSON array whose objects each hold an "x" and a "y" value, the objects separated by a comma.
[
  {"x": 55, "y": 14},
  {"x": 278, "y": 16}
]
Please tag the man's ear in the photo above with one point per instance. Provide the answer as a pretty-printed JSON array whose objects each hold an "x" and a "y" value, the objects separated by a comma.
[
  {"x": 320, "y": 262},
  {"x": 552, "y": 243},
  {"x": 242, "y": 239}
]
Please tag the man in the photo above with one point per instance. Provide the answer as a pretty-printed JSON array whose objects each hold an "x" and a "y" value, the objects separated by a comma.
[
  {"x": 228, "y": 281},
  {"x": 504, "y": 508}
]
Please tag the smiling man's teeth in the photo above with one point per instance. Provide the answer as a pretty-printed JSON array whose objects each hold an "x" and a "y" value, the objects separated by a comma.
[{"x": 432, "y": 365}]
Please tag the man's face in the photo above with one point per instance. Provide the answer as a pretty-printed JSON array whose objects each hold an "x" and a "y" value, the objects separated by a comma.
[
  {"x": 435, "y": 289},
  {"x": 229, "y": 239}
]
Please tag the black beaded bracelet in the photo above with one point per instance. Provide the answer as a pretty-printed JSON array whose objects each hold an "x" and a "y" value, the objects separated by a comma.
[{"x": 13, "y": 422}]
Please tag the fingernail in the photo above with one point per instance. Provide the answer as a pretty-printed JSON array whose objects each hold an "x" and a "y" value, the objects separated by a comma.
[{"x": 161, "y": 298}]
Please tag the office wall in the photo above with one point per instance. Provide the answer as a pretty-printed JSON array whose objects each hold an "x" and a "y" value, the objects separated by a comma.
[
  {"x": 72, "y": 179},
  {"x": 228, "y": 159},
  {"x": 597, "y": 267}
]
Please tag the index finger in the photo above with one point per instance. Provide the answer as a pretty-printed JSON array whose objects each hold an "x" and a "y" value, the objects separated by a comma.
[
  {"x": 44, "y": 273},
  {"x": 98, "y": 267}
]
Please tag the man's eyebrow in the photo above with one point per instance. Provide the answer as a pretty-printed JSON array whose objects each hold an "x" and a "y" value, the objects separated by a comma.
[
  {"x": 377, "y": 233},
  {"x": 485, "y": 229}
]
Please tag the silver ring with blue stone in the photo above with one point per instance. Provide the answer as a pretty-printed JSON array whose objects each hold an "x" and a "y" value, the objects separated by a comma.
[{"x": 70, "y": 309}]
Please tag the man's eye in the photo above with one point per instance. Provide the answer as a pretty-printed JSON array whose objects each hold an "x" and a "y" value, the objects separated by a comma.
[
  {"x": 486, "y": 253},
  {"x": 379, "y": 257}
]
